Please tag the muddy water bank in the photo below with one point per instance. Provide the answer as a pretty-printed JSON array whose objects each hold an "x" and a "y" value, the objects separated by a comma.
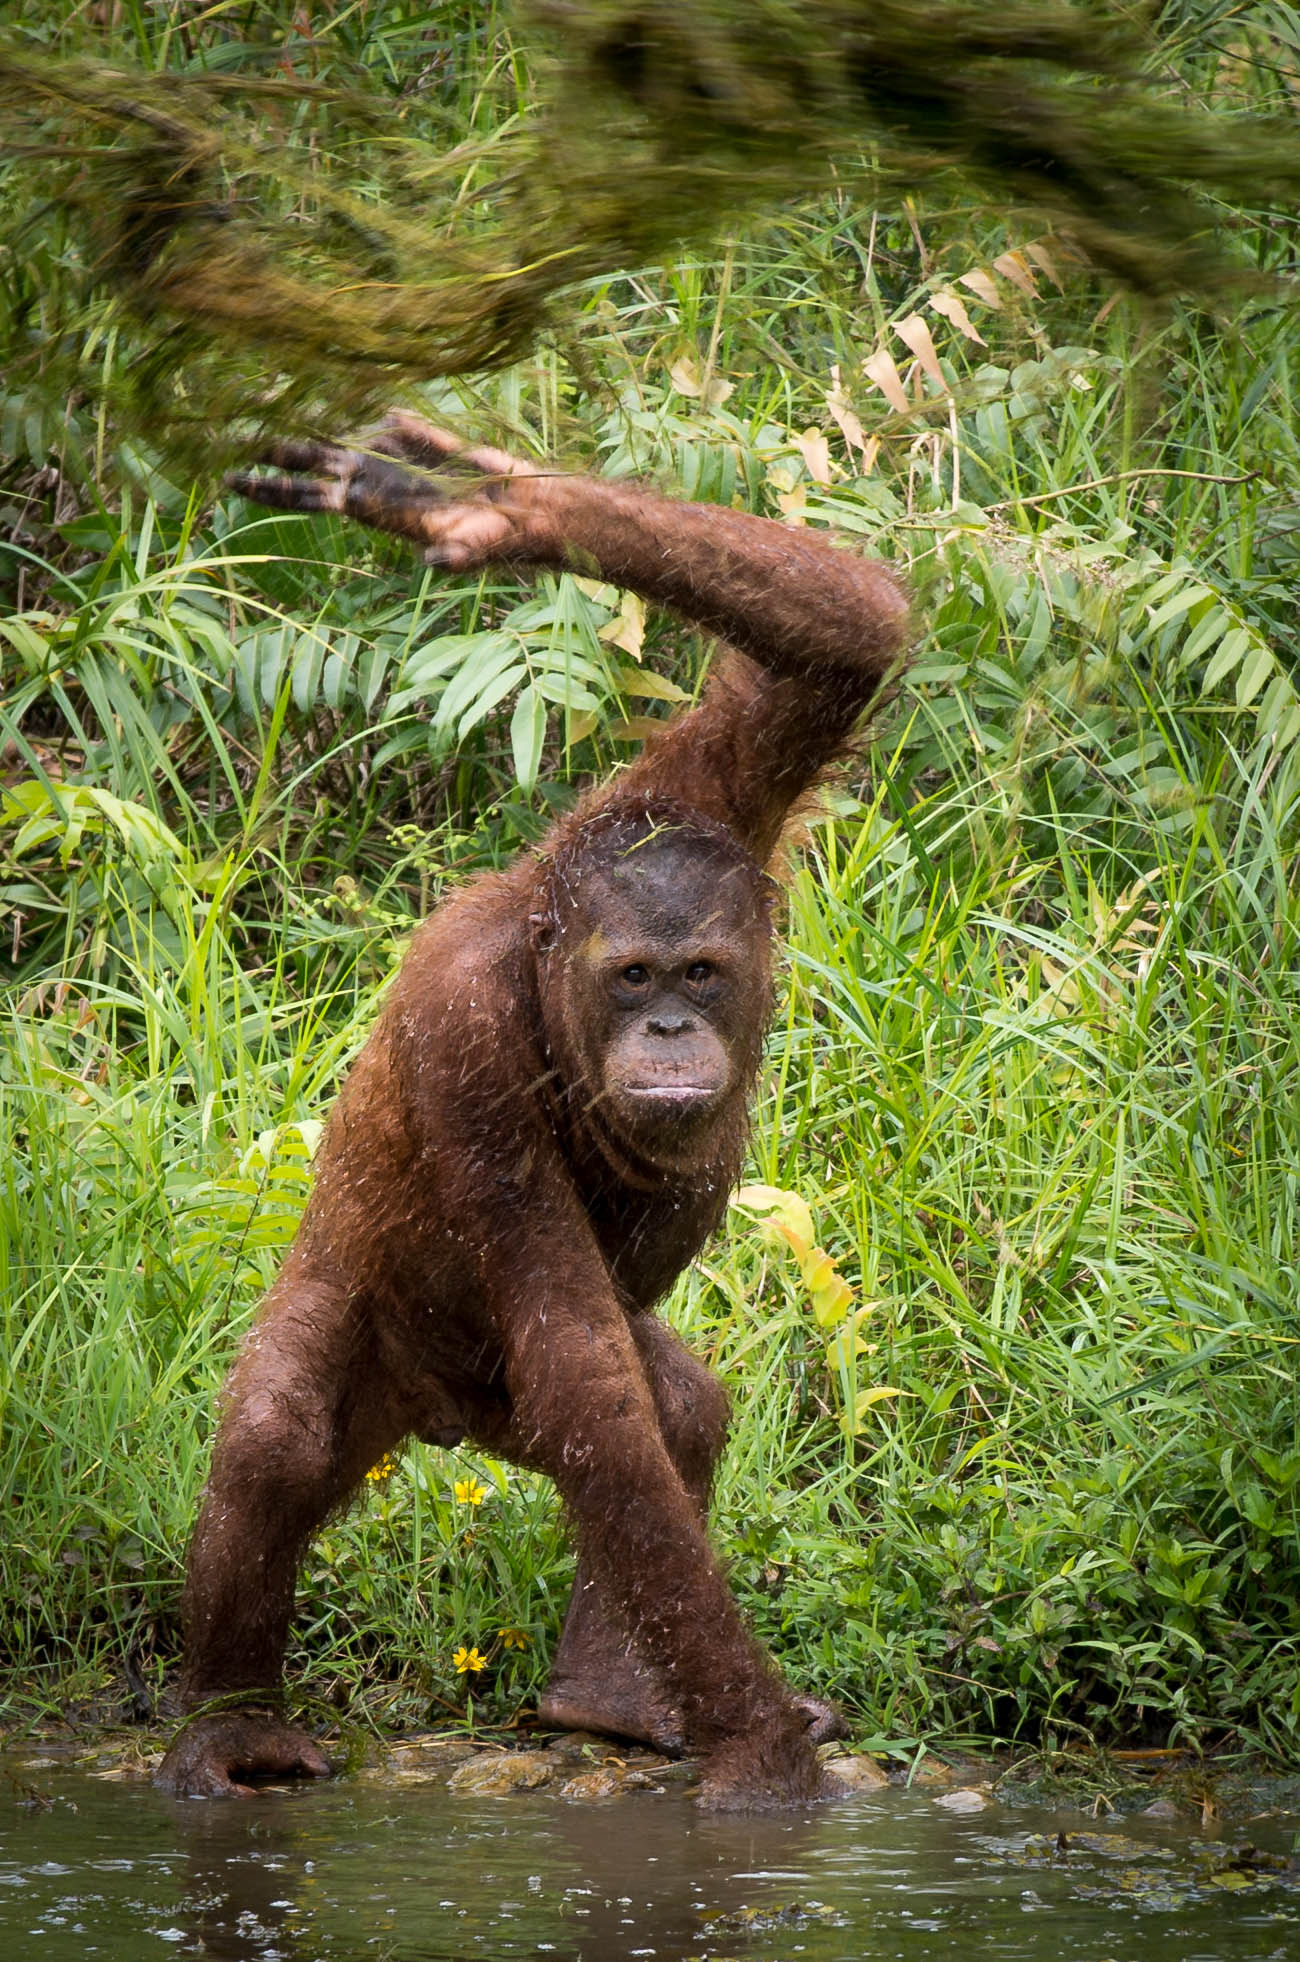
[{"x": 439, "y": 1853}]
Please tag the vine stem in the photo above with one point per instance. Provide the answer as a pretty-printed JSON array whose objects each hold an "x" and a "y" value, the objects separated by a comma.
[{"x": 1120, "y": 477}]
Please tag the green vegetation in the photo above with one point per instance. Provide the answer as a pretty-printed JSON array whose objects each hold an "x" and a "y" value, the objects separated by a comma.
[{"x": 1034, "y": 1469}]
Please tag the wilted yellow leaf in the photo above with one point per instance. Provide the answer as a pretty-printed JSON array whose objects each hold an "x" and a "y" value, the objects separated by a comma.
[
  {"x": 817, "y": 1268},
  {"x": 648, "y": 686},
  {"x": 881, "y": 368},
  {"x": 849, "y": 1342},
  {"x": 829, "y": 1292},
  {"x": 787, "y": 1212},
  {"x": 627, "y": 628},
  {"x": 915, "y": 335},
  {"x": 814, "y": 447},
  {"x": 830, "y": 1300},
  {"x": 687, "y": 379},
  {"x": 978, "y": 282},
  {"x": 1012, "y": 266},
  {"x": 953, "y": 308},
  {"x": 852, "y": 1420}
]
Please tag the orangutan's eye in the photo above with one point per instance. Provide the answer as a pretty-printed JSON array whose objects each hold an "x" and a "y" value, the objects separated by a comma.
[
  {"x": 636, "y": 976},
  {"x": 700, "y": 971}
]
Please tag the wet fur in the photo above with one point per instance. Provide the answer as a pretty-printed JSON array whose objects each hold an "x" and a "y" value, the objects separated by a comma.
[{"x": 482, "y": 1250}]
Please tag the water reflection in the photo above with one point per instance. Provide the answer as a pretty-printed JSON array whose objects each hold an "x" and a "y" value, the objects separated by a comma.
[
  {"x": 415, "y": 1875},
  {"x": 242, "y": 1883},
  {"x": 295, "y": 1877},
  {"x": 262, "y": 1881}
]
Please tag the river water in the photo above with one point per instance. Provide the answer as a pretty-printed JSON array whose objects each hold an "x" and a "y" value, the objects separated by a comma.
[{"x": 415, "y": 1873}]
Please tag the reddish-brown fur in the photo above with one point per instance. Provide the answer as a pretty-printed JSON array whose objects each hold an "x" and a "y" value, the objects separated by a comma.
[{"x": 487, "y": 1234}]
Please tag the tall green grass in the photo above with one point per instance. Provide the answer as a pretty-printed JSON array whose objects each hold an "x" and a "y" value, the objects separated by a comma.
[{"x": 1035, "y": 1069}]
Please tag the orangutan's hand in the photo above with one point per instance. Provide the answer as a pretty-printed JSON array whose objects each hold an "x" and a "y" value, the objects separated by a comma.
[{"x": 465, "y": 507}]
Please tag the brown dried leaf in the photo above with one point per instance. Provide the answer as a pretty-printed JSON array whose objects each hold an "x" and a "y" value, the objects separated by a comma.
[
  {"x": 1012, "y": 266},
  {"x": 815, "y": 449},
  {"x": 953, "y": 308},
  {"x": 634, "y": 728},
  {"x": 843, "y": 413},
  {"x": 977, "y": 281},
  {"x": 1042, "y": 258},
  {"x": 627, "y": 628},
  {"x": 686, "y": 378},
  {"x": 916, "y": 336},
  {"x": 881, "y": 368}
]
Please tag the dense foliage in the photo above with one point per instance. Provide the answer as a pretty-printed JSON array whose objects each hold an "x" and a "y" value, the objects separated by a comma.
[{"x": 1020, "y": 1453}]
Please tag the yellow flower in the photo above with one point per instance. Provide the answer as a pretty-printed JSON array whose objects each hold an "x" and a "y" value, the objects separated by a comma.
[
  {"x": 469, "y": 1660},
  {"x": 469, "y": 1492},
  {"x": 514, "y": 1638},
  {"x": 383, "y": 1470}
]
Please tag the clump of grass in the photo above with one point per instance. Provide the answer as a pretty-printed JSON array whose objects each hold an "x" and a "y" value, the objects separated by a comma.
[
  {"x": 356, "y": 234},
  {"x": 1035, "y": 1072}
]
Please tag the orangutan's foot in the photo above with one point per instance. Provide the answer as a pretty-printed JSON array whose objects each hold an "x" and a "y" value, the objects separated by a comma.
[
  {"x": 226, "y": 1754},
  {"x": 772, "y": 1767},
  {"x": 621, "y": 1702}
]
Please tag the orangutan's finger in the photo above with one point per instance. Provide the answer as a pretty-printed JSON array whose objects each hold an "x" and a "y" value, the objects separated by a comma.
[
  {"x": 423, "y": 443},
  {"x": 308, "y": 454},
  {"x": 282, "y": 492}
]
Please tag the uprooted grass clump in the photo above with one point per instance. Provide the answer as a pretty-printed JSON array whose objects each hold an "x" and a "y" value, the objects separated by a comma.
[{"x": 321, "y": 205}]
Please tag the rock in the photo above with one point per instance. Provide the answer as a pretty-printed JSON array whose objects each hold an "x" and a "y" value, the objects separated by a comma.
[
  {"x": 934, "y": 1773},
  {"x": 1159, "y": 1809},
  {"x": 788, "y": 1914},
  {"x": 445, "y": 1744},
  {"x": 676, "y": 1771},
  {"x": 967, "y": 1799},
  {"x": 606, "y": 1781},
  {"x": 495, "y": 1774},
  {"x": 582, "y": 1744},
  {"x": 417, "y": 1761},
  {"x": 856, "y": 1773},
  {"x": 432, "y": 1753}
]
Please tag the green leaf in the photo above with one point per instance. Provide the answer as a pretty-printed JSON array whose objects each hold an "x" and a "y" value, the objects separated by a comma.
[
  {"x": 1180, "y": 603},
  {"x": 1209, "y": 628},
  {"x": 1232, "y": 648},
  {"x": 527, "y": 735},
  {"x": 488, "y": 655},
  {"x": 1253, "y": 675}
]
